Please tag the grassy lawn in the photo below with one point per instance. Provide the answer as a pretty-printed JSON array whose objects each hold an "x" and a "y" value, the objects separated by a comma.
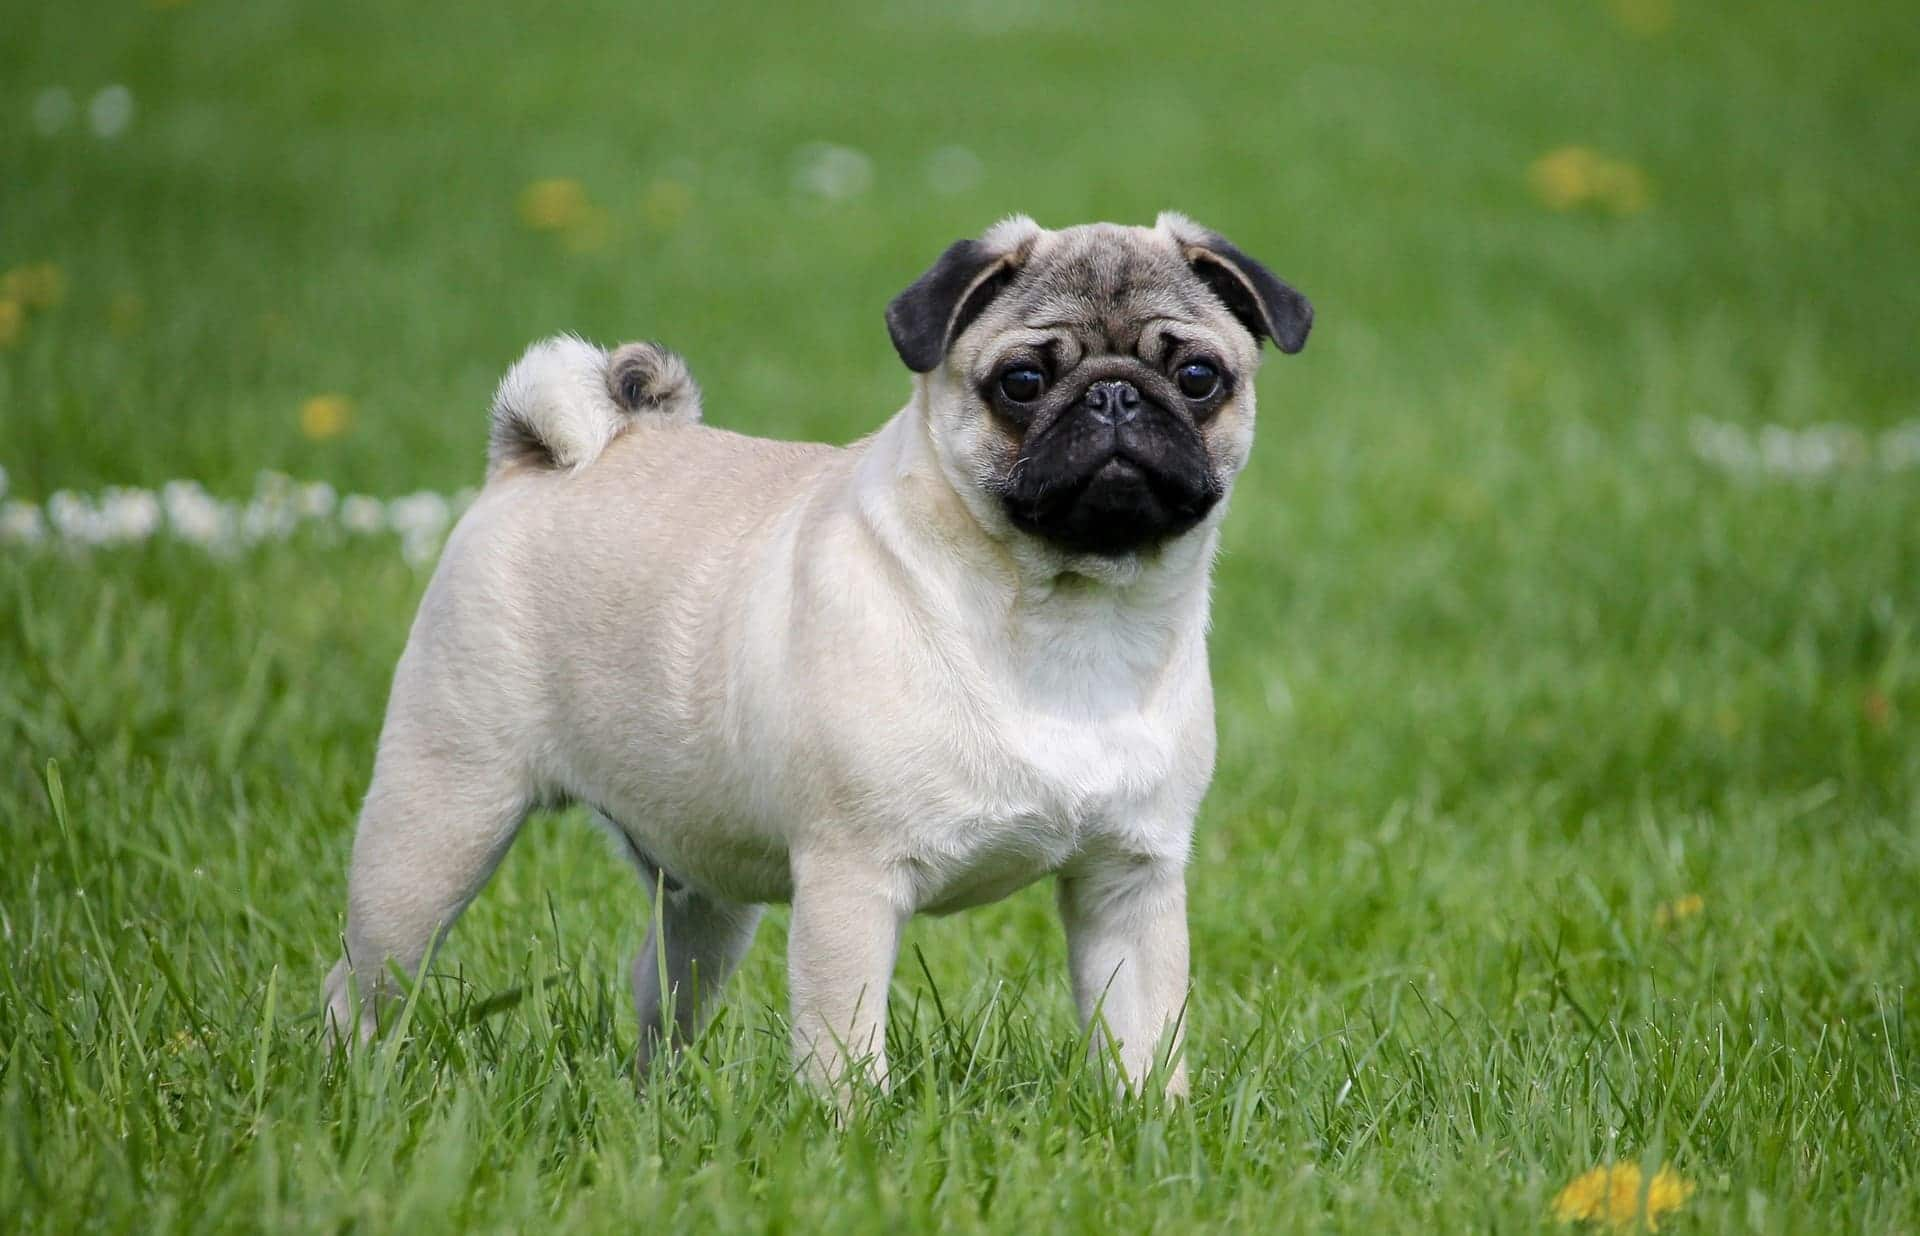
[{"x": 1568, "y": 807}]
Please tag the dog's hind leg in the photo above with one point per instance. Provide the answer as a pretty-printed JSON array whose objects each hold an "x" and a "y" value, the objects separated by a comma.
[
  {"x": 436, "y": 822},
  {"x": 694, "y": 943}
]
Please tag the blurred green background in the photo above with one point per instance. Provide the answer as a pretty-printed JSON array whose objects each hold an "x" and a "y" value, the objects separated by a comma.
[{"x": 1566, "y": 804}]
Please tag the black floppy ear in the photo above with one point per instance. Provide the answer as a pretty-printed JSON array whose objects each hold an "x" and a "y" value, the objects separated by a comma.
[
  {"x": 1265, "y": 304},
  {"x": 926, "y": 318}
]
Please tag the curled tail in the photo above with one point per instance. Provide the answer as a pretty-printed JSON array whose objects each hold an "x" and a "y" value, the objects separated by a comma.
[{"x": 563, "y": 401}]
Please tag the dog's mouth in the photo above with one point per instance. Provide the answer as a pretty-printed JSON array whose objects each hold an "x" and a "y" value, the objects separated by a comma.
[{"x": 1097, "y": 488}]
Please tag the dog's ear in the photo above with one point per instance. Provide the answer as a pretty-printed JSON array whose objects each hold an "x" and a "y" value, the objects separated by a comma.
[
  {"x": 1266, "y": 305},
  {"x": 924, "y": 320}
]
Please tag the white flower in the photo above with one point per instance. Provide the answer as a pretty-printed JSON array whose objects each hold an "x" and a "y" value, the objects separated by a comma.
[
  {"x": 1722, "y": 444},
  {"x": 110, "y": 111},
  {"x": 263, "y": 519},
  {"x": 273, "y": 511},
  {"x": 421, "y": 519},
  {"x": 317, "y": 500},
  {"x": 1900, "y": 447},
  {"x": 185, "y": 511},
  {"x": 418, "y": 549},
  {"x": 362, "y": 515},
  {"x": 832, "y": 172},
  {"x": 72, "y": 517},
  {"x": 1813, "y": 451},
  {"x": 20, "y": 522},
  {"x": 119, "y": 516},
  {"x": 1805, "y": 453},
  {"x": 422, "y": 512},
  {"x": 196, "y": 516},
  {"x": 128, "y": 515}
]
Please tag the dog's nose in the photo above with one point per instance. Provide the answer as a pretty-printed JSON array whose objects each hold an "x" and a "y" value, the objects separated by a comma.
[{"x": 1112, "y": 401}]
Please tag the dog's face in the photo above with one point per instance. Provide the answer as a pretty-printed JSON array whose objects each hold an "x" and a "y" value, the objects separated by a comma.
[{"x": 1092, "y": 388}]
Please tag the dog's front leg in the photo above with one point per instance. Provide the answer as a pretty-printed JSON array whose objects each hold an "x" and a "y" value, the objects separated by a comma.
[
  {"x": 841, "y": 947},
  {"x": 1126, "y": 923}
]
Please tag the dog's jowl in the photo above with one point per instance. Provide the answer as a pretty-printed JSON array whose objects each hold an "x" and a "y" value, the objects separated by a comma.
[{"x": 913, "y": 674}]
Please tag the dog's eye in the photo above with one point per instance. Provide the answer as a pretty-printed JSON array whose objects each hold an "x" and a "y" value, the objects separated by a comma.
[
  {"x": 1197, "y": 380},
  {"x": 1022, "y": 383}
]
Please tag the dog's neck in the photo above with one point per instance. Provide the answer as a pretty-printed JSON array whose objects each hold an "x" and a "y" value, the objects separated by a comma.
[{"x": 1145, "y": 609}]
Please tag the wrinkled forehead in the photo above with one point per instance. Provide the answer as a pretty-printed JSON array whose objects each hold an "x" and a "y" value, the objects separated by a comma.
[{"x": 1105, "y": 285}]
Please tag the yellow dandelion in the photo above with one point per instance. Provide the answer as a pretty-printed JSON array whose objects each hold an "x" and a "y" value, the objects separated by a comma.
[
  {"x": 553, "y": 205},
  {"x": 1563, "y": 178},
  {"x": 126, "y": 313},
  {"x": 13, "y": 321},
  {"x": 1611, "y": 1195},
  {"x": 665, "y": 203},
  {"x": 1645, "y": 18},
  {"x": 1680, "y": 909},
  {"x": 41, "y": 285},
  {"x": 325, "y": 416},
  {"x": 1571, "y": 176}
]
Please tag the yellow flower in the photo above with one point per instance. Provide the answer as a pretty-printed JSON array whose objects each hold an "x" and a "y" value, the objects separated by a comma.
[
  {"x": 325, "y": 416},
  {"x": 1571, "y": 176},
  {"x": 1563, "y": 178},
  {"x": 1611, "y": 1195},
  {"x": 554, "y": 205},
  {"x": 41, "y": 285},
  {"x": 13, "y": 322},
  {"x": 1645, "y": 18},
  {"x": 1678, "y": 910}
]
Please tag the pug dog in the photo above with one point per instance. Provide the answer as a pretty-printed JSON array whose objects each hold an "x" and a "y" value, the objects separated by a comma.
[{"x": 906, "y": 676}]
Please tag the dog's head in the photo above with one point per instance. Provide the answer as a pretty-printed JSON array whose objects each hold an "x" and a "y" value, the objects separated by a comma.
[{"x": 1093, "y": 387}]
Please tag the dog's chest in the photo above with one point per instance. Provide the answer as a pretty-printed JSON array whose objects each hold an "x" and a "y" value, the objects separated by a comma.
[{"x": 1037, "y": 780}]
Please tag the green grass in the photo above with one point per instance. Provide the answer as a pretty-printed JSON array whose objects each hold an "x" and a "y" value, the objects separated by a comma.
[{"x": 1502, "y": 665}]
